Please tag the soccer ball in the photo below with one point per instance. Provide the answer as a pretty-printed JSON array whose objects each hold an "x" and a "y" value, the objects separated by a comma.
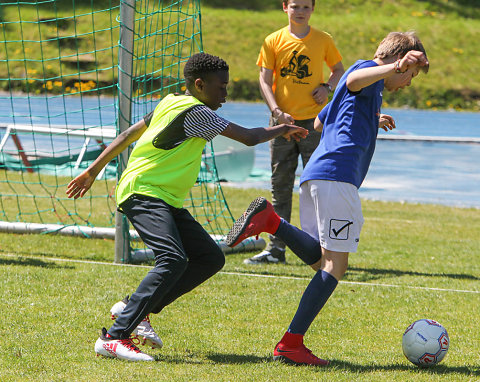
[{"x": 425, "y": 342}]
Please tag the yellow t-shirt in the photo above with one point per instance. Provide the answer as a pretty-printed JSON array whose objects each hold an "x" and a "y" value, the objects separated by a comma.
[{"x": 297, "y": 66}]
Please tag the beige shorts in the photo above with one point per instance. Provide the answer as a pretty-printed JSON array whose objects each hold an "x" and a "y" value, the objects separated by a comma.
[{"x": 331, "y": 212}]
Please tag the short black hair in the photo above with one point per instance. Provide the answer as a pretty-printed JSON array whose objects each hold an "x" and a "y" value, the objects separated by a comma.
[{"x": 201, "y": 64}]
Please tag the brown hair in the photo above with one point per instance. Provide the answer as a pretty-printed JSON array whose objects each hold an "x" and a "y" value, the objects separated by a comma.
[
  {"x": 285, "y": 2},
  {"x": 399, "y": 44}
]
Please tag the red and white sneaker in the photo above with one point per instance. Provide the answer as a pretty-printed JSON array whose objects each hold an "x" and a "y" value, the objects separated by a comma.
[
  {"x": 122, "y": 349},
  {"x": 143, "y": 334},
  {"x": 259, "y": 217},
  {"x": 295, "y": 352}
]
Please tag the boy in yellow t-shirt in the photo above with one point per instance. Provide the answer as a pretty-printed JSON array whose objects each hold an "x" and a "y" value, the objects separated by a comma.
[{"x": 292, "y": 84}]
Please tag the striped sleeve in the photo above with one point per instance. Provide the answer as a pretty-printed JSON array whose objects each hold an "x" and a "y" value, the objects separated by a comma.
[
  {"x": 148, "y": 118},
  {"x": 202, "y": 122}
]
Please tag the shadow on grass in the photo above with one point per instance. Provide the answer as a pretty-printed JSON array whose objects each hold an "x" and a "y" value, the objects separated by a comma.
[
  {"x": 378, "y": 273},
  {"x": 239, "y": 359},
  {"x": 435, "y": 370},
  {"x": 22, "y": 261},
  {"x": 230, "y": 359},
  {"x": 353, "y": 273}
]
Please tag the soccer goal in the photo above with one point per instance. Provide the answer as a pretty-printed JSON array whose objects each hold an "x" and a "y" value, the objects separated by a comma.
[{"x": 73, "y": 74}]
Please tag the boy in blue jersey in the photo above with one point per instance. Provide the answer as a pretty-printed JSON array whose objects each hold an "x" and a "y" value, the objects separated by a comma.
[{"x": 330, "y": 208}]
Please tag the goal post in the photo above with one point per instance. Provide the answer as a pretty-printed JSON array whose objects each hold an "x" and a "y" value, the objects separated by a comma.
[
  {"x": 125, "y": 81},
  {"x": 71, "y": 79}
]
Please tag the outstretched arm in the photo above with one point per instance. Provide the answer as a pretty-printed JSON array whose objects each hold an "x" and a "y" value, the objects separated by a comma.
[
  {"x": 252, "y": 137},
  {"x": 361, "y": 78},
  {"x": 82, "y": 183}
]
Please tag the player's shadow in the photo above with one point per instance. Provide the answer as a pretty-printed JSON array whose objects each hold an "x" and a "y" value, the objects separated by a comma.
[
  {"x": 472, "y": 371},
  {"x": 375, "y": 273},
  {"x": 25, "y": 261},
  {"x": 220, "y": 358},
  {"x": 234, "y": 359},
  {"x": 336, "y": 365}
]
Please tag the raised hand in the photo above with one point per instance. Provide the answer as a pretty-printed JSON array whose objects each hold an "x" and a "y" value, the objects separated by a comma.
[{"x": 413, "y": 58}]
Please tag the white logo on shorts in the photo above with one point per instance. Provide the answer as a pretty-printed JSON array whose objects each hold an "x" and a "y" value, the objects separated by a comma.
[{"x": 339, "y": 229}]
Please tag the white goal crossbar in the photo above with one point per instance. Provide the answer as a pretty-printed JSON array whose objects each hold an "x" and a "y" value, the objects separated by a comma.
[{"x": 248, "y": 245}]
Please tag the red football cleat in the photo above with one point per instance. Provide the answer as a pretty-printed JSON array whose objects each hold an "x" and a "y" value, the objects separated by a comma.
[
  {"x": 291, "y": 350},
  {"x": 298, "y": 355},
  {"x": 259, "y": 217}
]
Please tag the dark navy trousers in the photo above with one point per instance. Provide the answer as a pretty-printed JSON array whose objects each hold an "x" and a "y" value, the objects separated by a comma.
[{"x": 185, "y": 256}]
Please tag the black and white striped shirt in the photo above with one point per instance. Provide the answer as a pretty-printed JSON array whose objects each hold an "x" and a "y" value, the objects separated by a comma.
[{"x": 200, "y": 122}]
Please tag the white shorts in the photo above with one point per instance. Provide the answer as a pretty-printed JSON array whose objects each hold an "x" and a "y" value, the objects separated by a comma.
[{"x": 331, "y": 212}]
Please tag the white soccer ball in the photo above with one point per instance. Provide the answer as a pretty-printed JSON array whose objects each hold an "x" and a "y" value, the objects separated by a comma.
[{"x": 425, "y": 342}]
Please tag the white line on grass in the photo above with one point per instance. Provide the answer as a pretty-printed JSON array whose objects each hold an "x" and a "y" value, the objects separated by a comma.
[
  {"x": 251, "y": 274},
  {"x": 413, "y": 287},
  {"x": 357, "y": 283}
]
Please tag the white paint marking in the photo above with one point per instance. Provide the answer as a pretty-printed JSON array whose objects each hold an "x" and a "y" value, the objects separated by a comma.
[{"x": 251, "y": 275}]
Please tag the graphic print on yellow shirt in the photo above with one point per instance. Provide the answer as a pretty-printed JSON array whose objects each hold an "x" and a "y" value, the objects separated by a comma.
[{"x": 298, "y": 67}]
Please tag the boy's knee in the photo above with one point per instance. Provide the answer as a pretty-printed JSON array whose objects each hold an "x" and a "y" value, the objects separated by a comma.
[
  {"x": 174, "y": 264},
  {"x": 217, "y": 260},
  {"x": 180, "y": 264},
  {"x": 213, "y": 260}
]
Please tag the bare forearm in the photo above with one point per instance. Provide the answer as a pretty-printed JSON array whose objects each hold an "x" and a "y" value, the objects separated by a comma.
[
  {"x": 118, "y": 145},
  {"x": 264, "y": 134},
  {"x": 254, "y": 136},
  {"x": 267, "y": 94},
  {"x": 362, "y": 78},
  {"x": 336, "y": 72}
]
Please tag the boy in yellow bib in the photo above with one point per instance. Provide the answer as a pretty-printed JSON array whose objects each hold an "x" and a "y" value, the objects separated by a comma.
[{"x": 162, "y": 168}]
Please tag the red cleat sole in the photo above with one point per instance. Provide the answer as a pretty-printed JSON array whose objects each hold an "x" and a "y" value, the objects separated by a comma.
[{"x": 241, "y": 229}]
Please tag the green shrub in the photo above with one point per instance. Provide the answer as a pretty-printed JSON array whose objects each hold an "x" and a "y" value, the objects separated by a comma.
[
  {"x": 244, "y": 4},
  {"x": 245, "y": 90}
]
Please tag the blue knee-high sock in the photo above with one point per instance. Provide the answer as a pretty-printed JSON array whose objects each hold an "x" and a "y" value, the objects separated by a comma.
[
  {"x": 306, "y": 247},
  {"x": 314, "y": 298}
]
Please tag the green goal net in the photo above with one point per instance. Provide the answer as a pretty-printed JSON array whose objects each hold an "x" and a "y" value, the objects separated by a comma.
[{"x": 72, "y": 75}]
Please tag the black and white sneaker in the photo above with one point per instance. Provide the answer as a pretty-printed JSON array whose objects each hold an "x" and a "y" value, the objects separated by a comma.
[{"x": 274, "y": 256}]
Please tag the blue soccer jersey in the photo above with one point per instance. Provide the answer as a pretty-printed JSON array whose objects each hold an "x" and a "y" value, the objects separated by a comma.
[{"x": 350, "y": 128}]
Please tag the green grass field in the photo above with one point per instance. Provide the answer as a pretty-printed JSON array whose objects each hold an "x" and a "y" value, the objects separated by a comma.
[{"x": 414, "y": 261}]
